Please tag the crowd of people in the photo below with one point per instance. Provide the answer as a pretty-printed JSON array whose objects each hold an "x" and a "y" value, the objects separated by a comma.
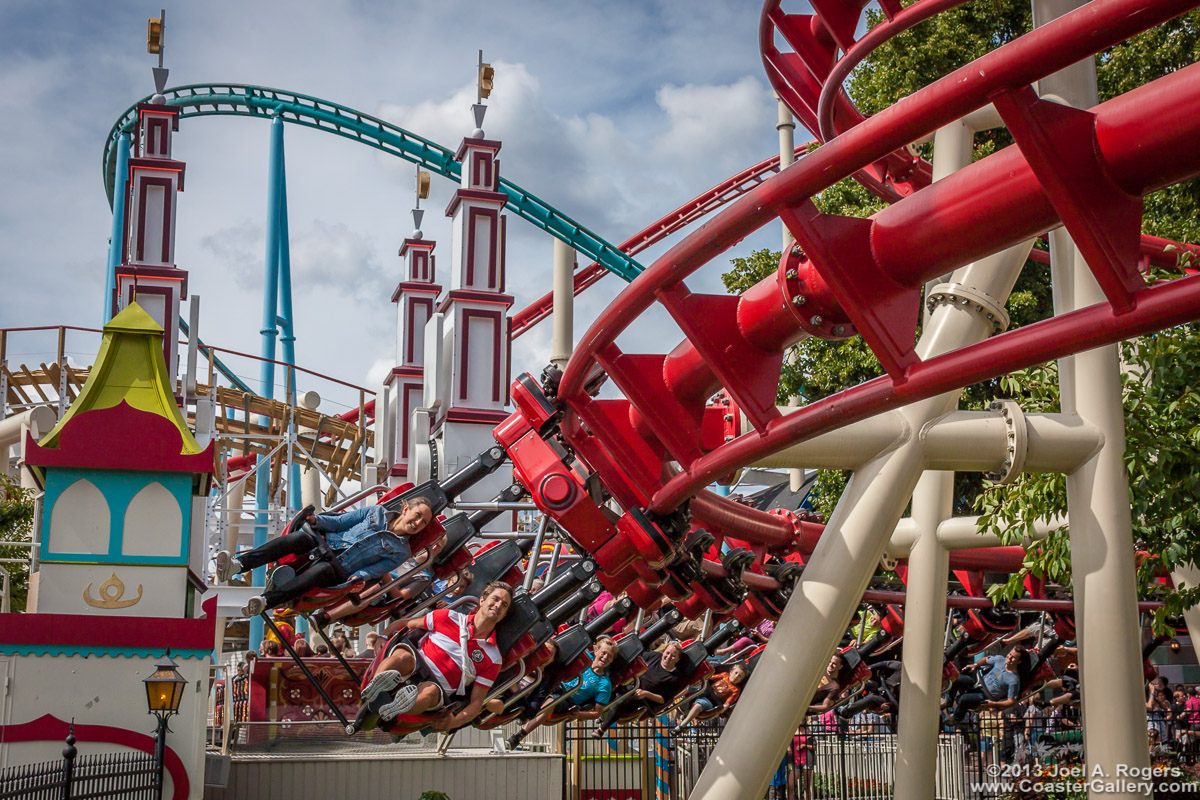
[{"x": 442, "y": 663}]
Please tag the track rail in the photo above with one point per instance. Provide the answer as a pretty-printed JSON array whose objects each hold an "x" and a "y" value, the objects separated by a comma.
[
  {"x": 236, "y": 99},
  {"x": 697, "y": 208},
  {"x": 232, "y": 99}
]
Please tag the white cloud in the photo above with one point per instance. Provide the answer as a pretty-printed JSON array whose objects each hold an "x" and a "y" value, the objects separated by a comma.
[
  {"x": 332, "y": 258},
  {"x": 380, "y": 369},
  {"x": 240, "y": 248},
  {"x": 604, "y": 112},
  {"x": 709, "y": 121}
]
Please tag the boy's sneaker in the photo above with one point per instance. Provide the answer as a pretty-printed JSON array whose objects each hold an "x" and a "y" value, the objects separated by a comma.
[
  {"x": 382, "y": 682},
  {"x": 227, "y": 566},
  {"x": 367, "y": 718},
  {"x": 403, "y": 700},
  {"x": 254, "y": 606}
]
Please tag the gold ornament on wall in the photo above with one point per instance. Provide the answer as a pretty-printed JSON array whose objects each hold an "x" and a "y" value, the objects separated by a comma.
[{"x": 111, "y": 593}]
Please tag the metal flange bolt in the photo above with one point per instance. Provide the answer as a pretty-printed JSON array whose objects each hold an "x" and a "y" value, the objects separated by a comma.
[
  {"x": 969, "y": 299},
  {"x": 1016, "y": 441}
]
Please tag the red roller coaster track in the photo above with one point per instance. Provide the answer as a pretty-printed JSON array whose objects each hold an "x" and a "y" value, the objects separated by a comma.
[
  {"x": 697, "y": 208},
  {"x": 864, "y": 275}
]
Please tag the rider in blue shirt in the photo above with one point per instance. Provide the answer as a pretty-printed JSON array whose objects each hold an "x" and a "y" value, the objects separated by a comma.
[
  {"x": 590, "y": 692},
  {"x": 998, "y": 688},
  {"x": 592, "y": 689}
]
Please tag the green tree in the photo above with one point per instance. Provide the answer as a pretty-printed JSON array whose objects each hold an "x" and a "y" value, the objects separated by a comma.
[
  {"x": 16, "y": 525},
  {"x": 1160, "y": 401}
]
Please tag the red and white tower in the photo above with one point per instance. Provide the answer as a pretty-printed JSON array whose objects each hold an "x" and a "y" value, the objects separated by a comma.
[
  {"x": 476, "y": 325},
  {"x": 416, "y": 299},
  {"x": 147, "y": 272}
]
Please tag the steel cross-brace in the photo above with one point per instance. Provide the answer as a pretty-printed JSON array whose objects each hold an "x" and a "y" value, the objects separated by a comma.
[{"x": 337, "y": 712}]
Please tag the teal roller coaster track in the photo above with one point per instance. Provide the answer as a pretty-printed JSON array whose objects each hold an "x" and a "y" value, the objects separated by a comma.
[{"x": 234, "y": 99}]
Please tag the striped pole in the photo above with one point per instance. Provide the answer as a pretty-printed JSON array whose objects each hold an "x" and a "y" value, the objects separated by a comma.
[{"x": 662, "y": 759}]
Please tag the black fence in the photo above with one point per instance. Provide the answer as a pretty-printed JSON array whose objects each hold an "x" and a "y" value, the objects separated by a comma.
[
  {"x": 134, "y": 775},
  {"x": 631, "y": 761},
  {"x": 648, "y": 761},
  {"x": 831, "y": 758}
]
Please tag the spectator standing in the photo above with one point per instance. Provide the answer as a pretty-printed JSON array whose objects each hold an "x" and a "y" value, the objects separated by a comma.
[
  {"x": 1158, "y": 707},
  {"x": 1179, "y": 716},
  {"x": 1033, "y": 726},
  {"x": 991, "y": 732},
  {"x": 1012, "y": 722},
  {"x": 369, "y": 650},
  {"x": 805, "y": 758}
]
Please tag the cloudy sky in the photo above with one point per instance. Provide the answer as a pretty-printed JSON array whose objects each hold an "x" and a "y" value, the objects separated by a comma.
[{"x": 614, "y": 112}]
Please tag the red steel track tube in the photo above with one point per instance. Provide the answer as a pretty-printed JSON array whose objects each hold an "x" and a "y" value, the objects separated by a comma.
[
  {"x": 1164, "y": 305},
  {"x": 1064, "y": 41}
]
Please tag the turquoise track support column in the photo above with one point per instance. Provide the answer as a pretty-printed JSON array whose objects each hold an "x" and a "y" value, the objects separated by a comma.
[
  {"x": 262, "y": 481},
  {"x": 116, "y": 242},
  {"x": 288, "y": 345},
  {"x": 288, "y": 340}
]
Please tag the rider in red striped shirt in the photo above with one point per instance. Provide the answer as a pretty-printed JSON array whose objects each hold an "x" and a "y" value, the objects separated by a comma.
[{"x": 458, "y": 652}]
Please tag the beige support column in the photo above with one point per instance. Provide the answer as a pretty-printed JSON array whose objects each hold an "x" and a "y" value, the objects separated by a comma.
[
  {"x": 777, "y": 697},
  {"x": 1189, "y": 575},
  {"x": 564, "y": 304},
  {"x": 924, "y": 623},
  {"x": 1106, "y": 616},
  {"x": 1103, "y": 570},
  {"x": 233, "y": 519},
  {"x": 787, "y": 151},
  {"x": 310, "y": 477},
  {"x": 787, "y": 156},
  {"x": 932, "y": 504}
]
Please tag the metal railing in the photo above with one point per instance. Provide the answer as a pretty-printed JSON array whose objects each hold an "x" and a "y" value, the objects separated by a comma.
[
  {"x": 132, "y": 775},
  {"x": 831, "y": 758}
]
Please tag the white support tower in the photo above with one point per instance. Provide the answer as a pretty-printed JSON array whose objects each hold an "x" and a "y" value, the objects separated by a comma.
[
  {"x": 476, "y": 326},
  {"x": 416, "y": 299},
  {"x": 147, "y": 271}
]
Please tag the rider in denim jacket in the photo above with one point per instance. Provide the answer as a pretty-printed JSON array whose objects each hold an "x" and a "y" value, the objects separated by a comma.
[
  {"x": 365, "y": 547},
  {"x": 367, "y": 543}
]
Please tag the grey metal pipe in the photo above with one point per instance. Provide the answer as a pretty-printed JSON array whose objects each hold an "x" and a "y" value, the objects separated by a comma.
[
  {"x": 493, "y": 505},
  {"x": 537, "y": 551}
]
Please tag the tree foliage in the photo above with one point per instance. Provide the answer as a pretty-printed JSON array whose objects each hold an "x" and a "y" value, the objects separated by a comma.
[
  {"x": 16, "y": 525},
  {"x": 1163, "y": 370}
]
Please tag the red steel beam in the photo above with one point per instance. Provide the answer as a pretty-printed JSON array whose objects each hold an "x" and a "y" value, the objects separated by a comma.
[
  {"x": 1140, "y": 163},
  {"x": 696, "y": 208},
  {"x": 1164, "y": 305},
  {"x": 912, "y": 15},
  {"x": 1047, "y": 49}
]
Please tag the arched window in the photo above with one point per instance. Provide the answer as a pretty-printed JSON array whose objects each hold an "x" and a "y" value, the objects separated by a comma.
[
  {"x": 153, "y": 524},
  {"x": 80, "y": 521}
]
